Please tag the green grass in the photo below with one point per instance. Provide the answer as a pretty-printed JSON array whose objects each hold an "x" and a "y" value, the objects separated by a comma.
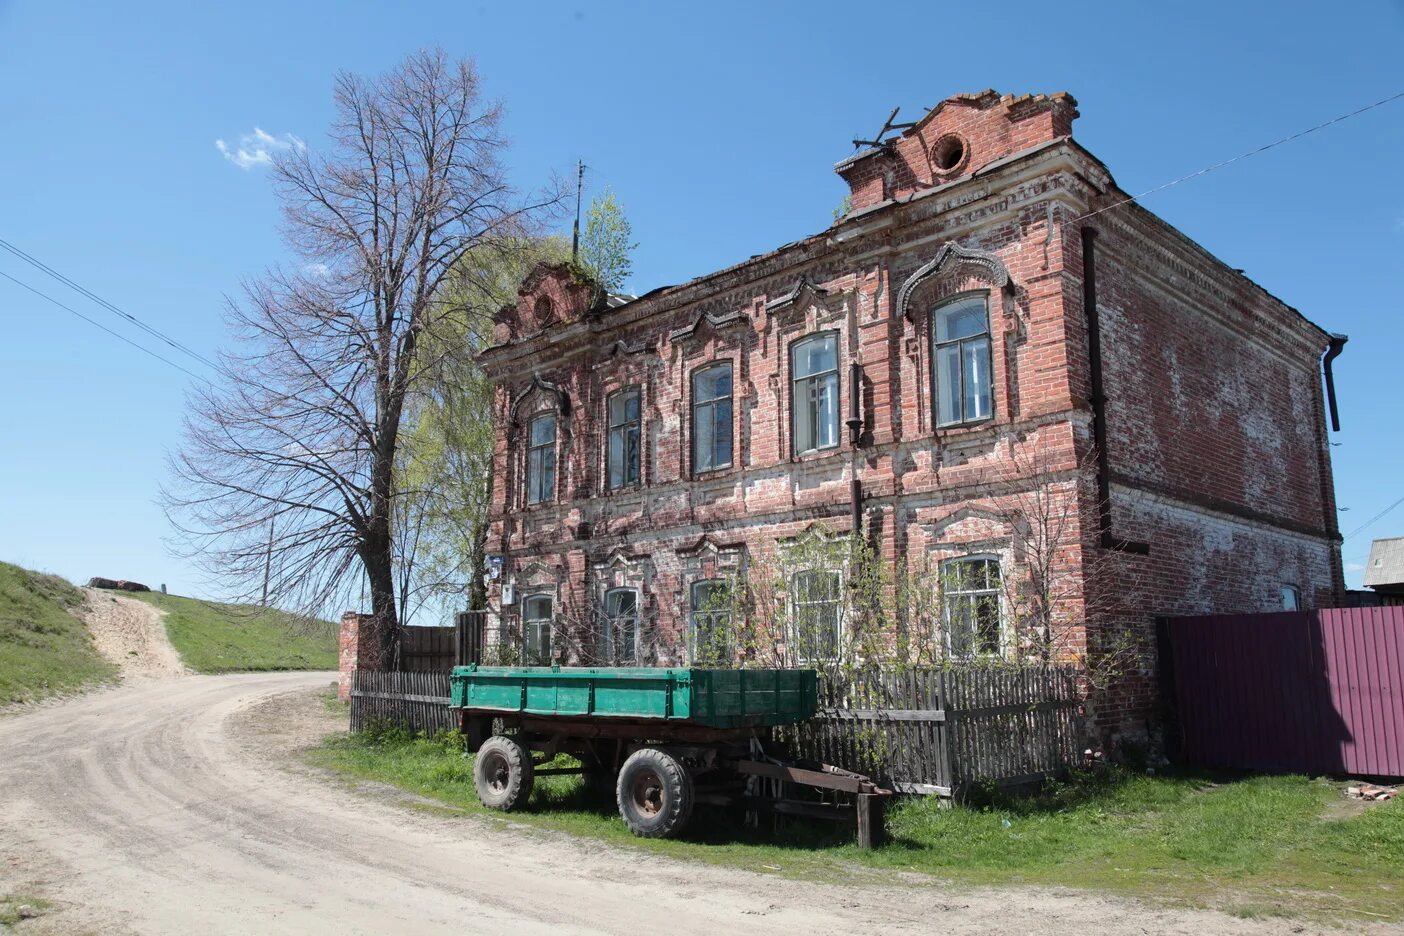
[
  {"x": 10, "y": 907},
  {"x": 1254, "y": 847},
  {"x": 221, "y": 638},
  {"x": 44, "y": 649}
]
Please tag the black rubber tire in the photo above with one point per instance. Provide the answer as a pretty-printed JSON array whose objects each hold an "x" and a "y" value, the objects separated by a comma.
[
  {"x": 503, "y": 774},
  {"x": 654, "y": 793}
]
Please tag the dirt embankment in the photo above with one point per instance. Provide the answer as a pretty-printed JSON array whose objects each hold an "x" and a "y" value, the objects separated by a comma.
[{"x": 130, "y": 634}]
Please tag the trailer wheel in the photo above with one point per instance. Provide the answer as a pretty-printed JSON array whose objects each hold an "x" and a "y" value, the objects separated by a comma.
[
  {"x": 654, "y": 793},
  {"x": 503, "y": 774}
]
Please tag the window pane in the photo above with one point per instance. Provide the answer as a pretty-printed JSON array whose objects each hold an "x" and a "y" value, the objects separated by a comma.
[
  {"x": 616, "y": 458},
  {"x": 536, "y": 629},
  {"x": 827, "y": 405},
  {"x": 815, "y": 355},
  {"x": 543, "y": 430},
  {"x": 977, "y": 378},
  {"x": 722, "y": 416},
  {"x": 948, "y": 385},
  {"x": 804, "y": 417},
  {"x": 1291, "y": 600},
  {"x": 961, "y": 319},
  {"x": 703, "y": 438},
  {"x": 712, "y": 383},
  {"x": 548, "y": 475}
]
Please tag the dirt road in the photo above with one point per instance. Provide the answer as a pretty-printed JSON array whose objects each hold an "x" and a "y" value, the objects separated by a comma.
[
  {"x": 131, "y": 634},
  {"x": 171, "y": 807}
]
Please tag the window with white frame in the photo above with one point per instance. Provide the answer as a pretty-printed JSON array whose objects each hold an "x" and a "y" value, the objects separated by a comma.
[
  {"x": 541, "y": 459},
  {"x": 536, "y": 630},
  {"x": 711, "y": 621},
  {"x": 970, "y": 592},
  {"x": 621, "y": 631},
  {"x": 1291, "y": 598},
  {"x": 962, "y": 375},
  {"x": 711, "y": 417},
  {"x": 816, "y": 597},
  {"x": 815, "y": 393},
  {"x": 625, "y": 419}
]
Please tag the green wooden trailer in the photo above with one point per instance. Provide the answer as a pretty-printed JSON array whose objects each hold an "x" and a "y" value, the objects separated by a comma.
[{"x": 660, "y": 740}]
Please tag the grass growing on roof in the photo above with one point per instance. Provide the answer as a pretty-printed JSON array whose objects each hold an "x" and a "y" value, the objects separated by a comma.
[
  {"x": 1254, "y": 847},
  {"x": 44, "y": 649},
  {"x": 221, "y": 638}
]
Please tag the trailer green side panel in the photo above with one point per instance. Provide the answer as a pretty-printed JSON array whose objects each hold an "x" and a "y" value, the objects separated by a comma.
[{"x": 714, "y": 698}]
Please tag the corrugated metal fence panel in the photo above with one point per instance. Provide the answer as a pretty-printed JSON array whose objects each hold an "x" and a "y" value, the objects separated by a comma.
[{"x": 1314, "y": 691}]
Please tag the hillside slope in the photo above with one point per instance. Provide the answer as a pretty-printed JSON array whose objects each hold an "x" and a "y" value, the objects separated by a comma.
[
  {"x": 223, "y": 638},
  {"x": 44, "y": 648}
]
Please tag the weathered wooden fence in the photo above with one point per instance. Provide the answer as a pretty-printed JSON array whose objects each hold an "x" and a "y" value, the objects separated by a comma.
[
  {"x": 937, "y": 730},
  {"x": 428, "y": 649},
  {"x": 418, "y": 701},
  {"x": 926, "y": 731}
]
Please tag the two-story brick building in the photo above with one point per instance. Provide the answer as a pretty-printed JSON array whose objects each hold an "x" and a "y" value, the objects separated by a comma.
[{"x": 991, "y": 308}]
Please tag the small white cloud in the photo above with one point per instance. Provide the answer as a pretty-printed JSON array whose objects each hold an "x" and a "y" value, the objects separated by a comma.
[
  {"x": 257, "y": 148},
  {"x": 1354, "y": 567},
  {"x": 317, "y": 270}
]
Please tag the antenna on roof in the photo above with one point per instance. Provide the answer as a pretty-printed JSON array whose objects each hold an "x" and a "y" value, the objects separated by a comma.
[
  {"x": 575, "y": 238},
  {"x": 887, "y": 127}
]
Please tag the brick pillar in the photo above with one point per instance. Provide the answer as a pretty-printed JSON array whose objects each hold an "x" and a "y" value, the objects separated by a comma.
[{"x": 357, "y": 632}]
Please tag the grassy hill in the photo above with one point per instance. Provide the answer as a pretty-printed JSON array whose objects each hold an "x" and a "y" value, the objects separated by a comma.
[
  {"x": 44, "y": 649},
  {"x": 221, "y": 638}
]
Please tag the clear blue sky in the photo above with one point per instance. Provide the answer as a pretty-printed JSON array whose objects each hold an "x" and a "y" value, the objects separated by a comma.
[{"x": 716, "y": 124}]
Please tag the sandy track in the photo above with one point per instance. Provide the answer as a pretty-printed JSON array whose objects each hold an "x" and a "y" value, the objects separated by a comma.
[
  {"x": 170, "y": 808},
  {"x": 131, "y": 634}
]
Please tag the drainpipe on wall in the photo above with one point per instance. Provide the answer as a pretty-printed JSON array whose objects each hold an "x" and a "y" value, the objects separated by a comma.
[
  {"x": 1333, "y": 351},
  {"x": 1099, "y": 400}
]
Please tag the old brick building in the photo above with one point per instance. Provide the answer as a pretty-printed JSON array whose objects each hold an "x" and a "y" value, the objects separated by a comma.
[{"x": 975, "y": 325}]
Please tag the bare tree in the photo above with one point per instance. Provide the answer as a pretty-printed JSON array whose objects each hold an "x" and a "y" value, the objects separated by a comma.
[{"x": 296, "y": 454}]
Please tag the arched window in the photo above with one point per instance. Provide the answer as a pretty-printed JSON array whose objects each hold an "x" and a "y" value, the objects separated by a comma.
[
  {"x": 1291, "y": 598},
  {"x": 814, "y": 400},
  {"x": 536, "y": 630},
  {"x": 541, "y": 459},
  {"x": 970, "y": 593},
  {"x": 545, "y": 312},
  {"x": 625, "y": 420},
  {"x": 711, "y": 622},
  {"x": 711, "y": 417},
  {"x": 621, "y": 630},
  {"x": 962, "y": 377}
]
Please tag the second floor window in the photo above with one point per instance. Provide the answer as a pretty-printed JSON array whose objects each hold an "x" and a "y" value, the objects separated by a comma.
[
  {"x": 815, "y": 398},
  {"x": 818, "y": 608},
  {"x": 960, "y": 354},
  {"x": 541, "y": 459},
  {"x": 624, "y": 422},
  {"x": 621, "y": 625},
  {"x": 711, "y": 418},
  {"x": 536, "y": 630}
]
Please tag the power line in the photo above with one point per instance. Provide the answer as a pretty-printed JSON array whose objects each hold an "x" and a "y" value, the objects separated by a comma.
[
  {"x": 98, "y": 324},
  {"x": 1373, "y": 519},
  {"x": 1262, "y": 149},
  {"x": 78, "y": 287}
]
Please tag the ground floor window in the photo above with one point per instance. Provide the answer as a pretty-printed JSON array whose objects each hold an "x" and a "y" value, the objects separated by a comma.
[
  {"x": 817, "y": 599},
  {"x": 536, "y": 630},
  {"x": 621, "y": 625},
  {"x": 970, "y": 591},
  {"x": 711, "y": 622},
  {"x": 1291, "y": 598}
]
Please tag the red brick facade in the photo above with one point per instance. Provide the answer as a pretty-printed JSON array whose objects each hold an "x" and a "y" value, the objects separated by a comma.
[{"x": 1216, "y": 455}]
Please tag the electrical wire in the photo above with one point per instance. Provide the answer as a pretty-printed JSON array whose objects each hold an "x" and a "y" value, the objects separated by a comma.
[
  {"x": 83, "y": 290},
  {"x": 1373, "y": 519},
  {"x": 1262, "y": 149},
  {"x": 98, "y": 324}
]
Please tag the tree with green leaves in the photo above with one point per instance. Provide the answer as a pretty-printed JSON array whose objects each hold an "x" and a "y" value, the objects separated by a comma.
[{"x": 606, "y": 245}]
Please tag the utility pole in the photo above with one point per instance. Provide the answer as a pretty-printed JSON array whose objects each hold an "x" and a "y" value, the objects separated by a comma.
[
  {"x": 268, "y": 562},
  {"x": 575, "y": 239}
]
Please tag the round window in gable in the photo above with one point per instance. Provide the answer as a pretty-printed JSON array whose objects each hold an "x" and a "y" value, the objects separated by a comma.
[
  {"x": 543, "y": 311},
  {"x": 948, "y": 154}
]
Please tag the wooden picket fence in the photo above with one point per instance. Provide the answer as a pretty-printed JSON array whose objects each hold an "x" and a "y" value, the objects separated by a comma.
[
  {"x": 919, "y": 731},
  {"x": 417, "y": 701}
]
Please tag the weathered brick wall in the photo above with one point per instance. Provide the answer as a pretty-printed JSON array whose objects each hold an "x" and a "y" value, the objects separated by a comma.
[{"x": 1217, "y": 447}]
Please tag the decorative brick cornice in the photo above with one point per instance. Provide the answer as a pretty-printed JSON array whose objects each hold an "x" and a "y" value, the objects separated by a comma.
[{"x": 545, "y": 386}]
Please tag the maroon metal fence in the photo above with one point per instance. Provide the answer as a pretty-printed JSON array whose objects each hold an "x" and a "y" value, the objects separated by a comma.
[{"x": 1311, "y": 691}]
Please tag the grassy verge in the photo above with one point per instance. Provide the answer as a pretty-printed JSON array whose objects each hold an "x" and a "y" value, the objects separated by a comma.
[
  {"x": 220, "y": 638},
  {"x": 1260, "y": 846},
  {"x": 44, "y": 649}
]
